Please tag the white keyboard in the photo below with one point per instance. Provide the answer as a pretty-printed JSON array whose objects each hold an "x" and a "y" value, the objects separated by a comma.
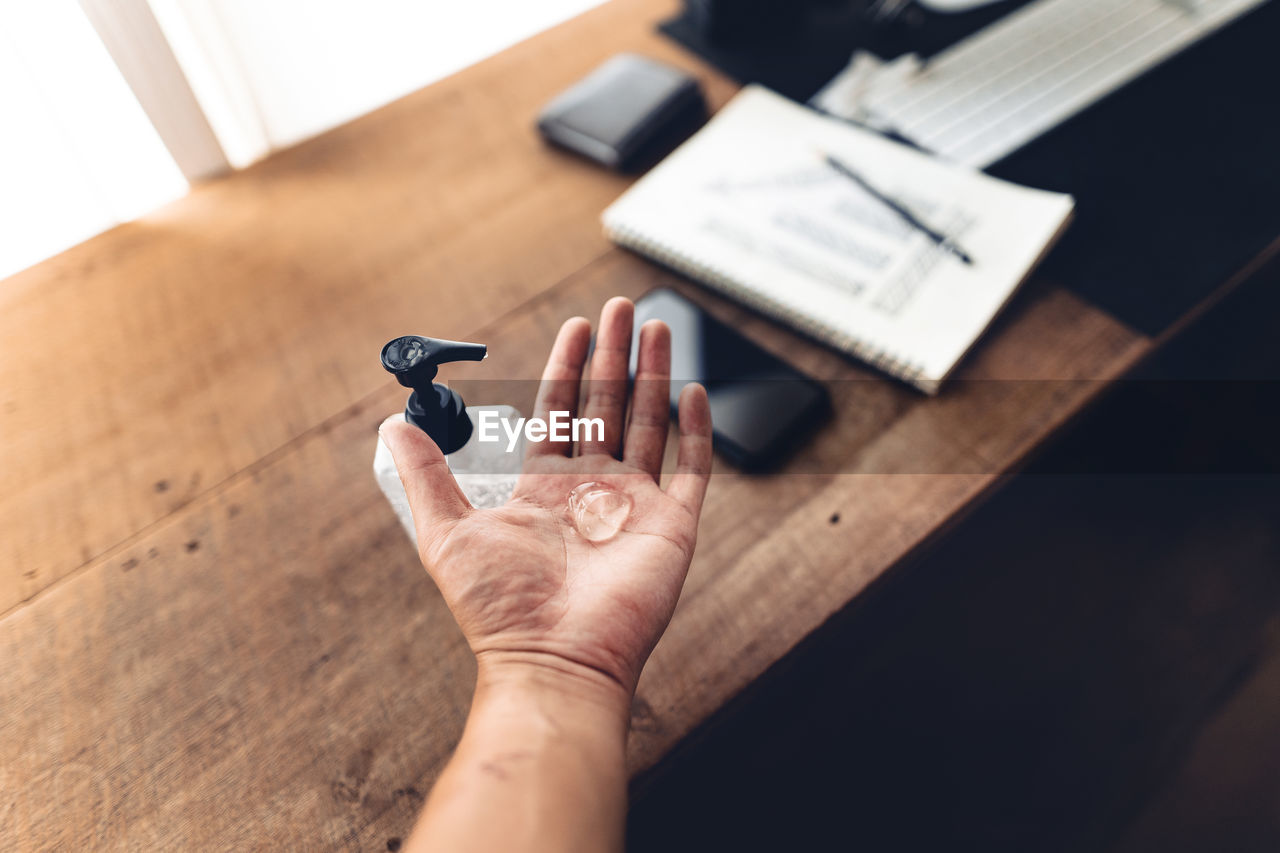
[{"x": 997, "y": 90}]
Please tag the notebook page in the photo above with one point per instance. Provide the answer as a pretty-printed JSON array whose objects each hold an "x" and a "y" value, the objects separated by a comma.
[{"x": 748, "y": 205}]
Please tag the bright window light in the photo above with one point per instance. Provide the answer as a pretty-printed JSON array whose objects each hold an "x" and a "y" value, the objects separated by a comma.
[
  {"x": 77, "y": 154},
  {"x": 269, "y": 73}
]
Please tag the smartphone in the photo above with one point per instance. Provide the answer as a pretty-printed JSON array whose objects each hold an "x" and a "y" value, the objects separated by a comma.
[{"x": 762, "y": 408}]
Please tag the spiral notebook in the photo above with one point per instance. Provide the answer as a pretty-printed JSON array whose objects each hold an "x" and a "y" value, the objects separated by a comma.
[{"x": 749, "y": 207}]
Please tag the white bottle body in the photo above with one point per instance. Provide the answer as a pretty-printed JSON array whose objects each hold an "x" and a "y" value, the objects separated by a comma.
[{"x": 486, "y": 471}]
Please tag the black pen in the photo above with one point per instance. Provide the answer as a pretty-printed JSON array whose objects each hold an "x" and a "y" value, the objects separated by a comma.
[{"x": 942, "y": 240}]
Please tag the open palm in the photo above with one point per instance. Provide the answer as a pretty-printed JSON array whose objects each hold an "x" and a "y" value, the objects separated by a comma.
[{"x": 521, "y": 579}]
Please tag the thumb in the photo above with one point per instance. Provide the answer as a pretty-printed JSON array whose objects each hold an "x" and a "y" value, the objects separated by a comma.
[{"x": 434, "y": 496}]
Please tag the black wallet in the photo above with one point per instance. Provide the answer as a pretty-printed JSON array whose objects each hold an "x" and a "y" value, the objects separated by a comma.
[{"x": 627, "y": 114}]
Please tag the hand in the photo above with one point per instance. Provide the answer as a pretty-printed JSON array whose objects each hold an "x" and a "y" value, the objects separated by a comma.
[{"x": 523, "y": 584}]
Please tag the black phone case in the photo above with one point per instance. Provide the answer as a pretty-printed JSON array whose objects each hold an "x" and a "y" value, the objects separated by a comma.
[{"x": 762, "y": 408}]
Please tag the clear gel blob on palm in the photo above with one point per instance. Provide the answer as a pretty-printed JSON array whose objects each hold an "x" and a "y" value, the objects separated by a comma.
[{"x": 598, "y": 511}]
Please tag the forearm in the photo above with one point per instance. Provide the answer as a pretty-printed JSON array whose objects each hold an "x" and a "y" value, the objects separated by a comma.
[{"x": 541, "y": 764}]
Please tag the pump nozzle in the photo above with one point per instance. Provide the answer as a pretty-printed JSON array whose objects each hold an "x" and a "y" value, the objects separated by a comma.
[
  {"x": 436, "y": 410},
  {"x": 413, "y": 359}
]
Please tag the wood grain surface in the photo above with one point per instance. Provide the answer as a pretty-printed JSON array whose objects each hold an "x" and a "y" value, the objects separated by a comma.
[{"x": 217, "y": 636}]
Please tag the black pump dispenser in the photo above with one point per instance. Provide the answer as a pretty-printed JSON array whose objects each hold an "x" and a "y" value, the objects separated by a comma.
[{"x": 436, "y": 410}]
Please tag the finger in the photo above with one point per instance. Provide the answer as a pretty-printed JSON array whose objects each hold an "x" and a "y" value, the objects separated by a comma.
[
  {"x": 650, "y": 419},
  {"x": 607, "y": 388},
  {"x": 558, "y": 391},
  {"x": 434, "y": 496},
  {"x": 693, "y": 456}
]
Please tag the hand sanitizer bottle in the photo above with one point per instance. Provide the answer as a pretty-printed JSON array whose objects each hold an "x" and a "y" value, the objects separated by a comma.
[{"x": 485, "y": 470}]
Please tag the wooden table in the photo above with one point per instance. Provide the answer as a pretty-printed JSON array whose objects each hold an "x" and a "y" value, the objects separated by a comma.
[{"x": 214, "y": 634}]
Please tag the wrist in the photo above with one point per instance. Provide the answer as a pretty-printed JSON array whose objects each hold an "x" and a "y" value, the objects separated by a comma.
[
  {"x": 554, "y": 685},
  {"x": 541, "y": 763}
]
